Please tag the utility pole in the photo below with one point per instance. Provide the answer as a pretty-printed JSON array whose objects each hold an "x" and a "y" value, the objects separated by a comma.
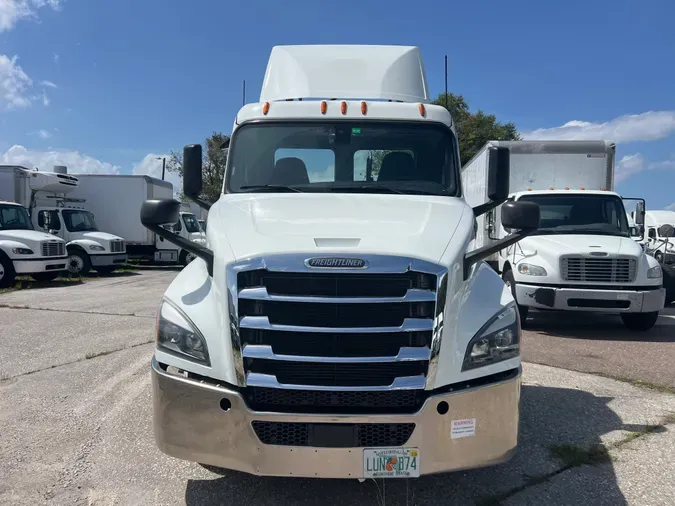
[{"x": 163, "y": 165}]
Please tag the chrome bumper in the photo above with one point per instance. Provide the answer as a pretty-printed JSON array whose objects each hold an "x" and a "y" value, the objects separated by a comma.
[
  {"x": 43, "y": 265},
  {"x": 190, "y": 424},
  {"x": 567, "y": 299}
]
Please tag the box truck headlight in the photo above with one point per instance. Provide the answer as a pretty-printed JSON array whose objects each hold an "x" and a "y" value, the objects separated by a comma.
[
  {"x": 498, "y": 340},
  {"x": 531, "y": 270},
  {"x": 22, "y": 251},
  {"x": 655, "y": 272},
  {"x": 95, "y": 247},
  {"x": 177, "y": 335}
]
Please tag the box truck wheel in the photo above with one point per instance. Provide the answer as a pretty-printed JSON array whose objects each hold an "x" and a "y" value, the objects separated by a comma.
[
  {"x": 185, "y": 257},
  {"x": 640, "y": 321},
  {"x": 45, "y": 277},
  {"x": 7, "y": 274},
  {"x": 78, "y": 262},
  {"x": 511, "y": 283}
]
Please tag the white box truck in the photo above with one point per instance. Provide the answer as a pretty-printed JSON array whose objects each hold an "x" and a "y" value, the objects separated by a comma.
[
  {"x": 336, "y": 324},
  {"x": 48, "y": 197},
  {"x": 659, "y": 239},
  {"x": 582, "y": 258},
  {"x": 117, "y": 199}
]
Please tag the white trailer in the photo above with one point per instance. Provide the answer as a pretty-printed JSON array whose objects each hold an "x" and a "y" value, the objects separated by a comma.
[
  {"x": 117, "y": 201},
  {"x": 50, "y": 201},
  {"x": 582, "y": 258},
  {"x": 338, "y": 325}
]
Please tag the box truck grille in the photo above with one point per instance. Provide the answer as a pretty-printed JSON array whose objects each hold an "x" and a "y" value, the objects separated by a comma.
[
  {"x": 326, "y": 435},
  {"x": 53, "y": 249},
  {"x": 335, "y": 341},
  {"x": 117, "y": 246},
  {"x": 600, "y": 270}
]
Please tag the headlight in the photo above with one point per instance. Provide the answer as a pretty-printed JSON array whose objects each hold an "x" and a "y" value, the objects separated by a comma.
[
  {"x": 498, "y": 340},
  {"x": 95, "y": 247},
  {"x": 655, "y": 272},
  {"x": 176, "y": 334},
  {"x": 531, "y": 270},
  {"x": 670, "y": 245},
  {"x": 23, "y": 251}
]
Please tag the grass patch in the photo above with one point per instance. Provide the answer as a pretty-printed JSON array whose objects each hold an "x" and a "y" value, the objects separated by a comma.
[
  {"x": 28, "y": 283},
  {"x": 94, "y": 354},
  {"x": 639, "y": 383}
]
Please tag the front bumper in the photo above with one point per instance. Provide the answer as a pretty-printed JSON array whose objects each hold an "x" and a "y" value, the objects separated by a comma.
[
  {"x": 190, "y": 424},
  {"x": 43, "y": 265},
  {"x": 108, "y": 259},
  {"x": 587, "y": 299}
]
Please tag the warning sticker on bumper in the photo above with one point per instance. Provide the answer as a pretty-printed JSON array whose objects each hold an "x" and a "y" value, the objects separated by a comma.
[{"x": 463, "y": 428}]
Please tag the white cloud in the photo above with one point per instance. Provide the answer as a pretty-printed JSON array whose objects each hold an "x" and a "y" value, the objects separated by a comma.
[
  {"x": 45, "y": 161},
  {"x": 671, "y": 207},
  {"x": 326, "y": 175},
  {"x": 42, "y": 134},
  {"x": 56, "y": 57},
  {"x": 14, "y": 84},
  {"x": 48, "y": 84},
  {"x": 632, "y": 164},
  {"x": 12, "y": 11},
  {"x": 648, "y": 126},
  {"x": 45, "y": 99},
  {"x": 151, "y": 166}
]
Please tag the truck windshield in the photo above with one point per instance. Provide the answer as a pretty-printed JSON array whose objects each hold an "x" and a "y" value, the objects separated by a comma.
[
  {"x": 191, "y": 223},
  {"x": 14, "y": 218},
  {"x": 580, "y": 214},
  {"x": 79, "y": 221},
  {"x": 341, "y": 157}
]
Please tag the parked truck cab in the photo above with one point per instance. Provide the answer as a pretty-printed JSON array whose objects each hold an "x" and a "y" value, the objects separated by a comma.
[
  {"x": 336, "y": 323},
  {"x": 659, "y": 240},
  {"x": 25, "y": 251}
]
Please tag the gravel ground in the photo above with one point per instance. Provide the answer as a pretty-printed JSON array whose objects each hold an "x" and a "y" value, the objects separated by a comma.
[{"x": 77, "y": 430}]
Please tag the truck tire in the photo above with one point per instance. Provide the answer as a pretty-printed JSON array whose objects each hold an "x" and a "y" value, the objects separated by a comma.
[
  {"x": 510, "y": 281},
  {"x": 669, "y": 282},
  {"x": 640, "y": 321},
  {"x": 7, "y": 273},
  {"x": 78, "y": 263},
  {"x": 45, "y": 277},
  {"x": 185, "y": 258}
]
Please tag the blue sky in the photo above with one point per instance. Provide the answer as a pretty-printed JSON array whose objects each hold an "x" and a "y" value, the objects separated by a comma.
[{"x": 109, "y": 86}]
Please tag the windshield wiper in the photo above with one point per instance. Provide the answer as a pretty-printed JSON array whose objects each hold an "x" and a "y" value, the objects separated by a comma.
[
  {"x": 374, "y": 187},
  {"x": 270, "y": 188}
]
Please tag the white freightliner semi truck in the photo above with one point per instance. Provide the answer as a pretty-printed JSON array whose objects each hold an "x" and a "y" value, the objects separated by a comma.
[
  {"x": 49, "y": 199},
  {"x": 336, "y": 324},
  {"x": 583, "y": 257}
]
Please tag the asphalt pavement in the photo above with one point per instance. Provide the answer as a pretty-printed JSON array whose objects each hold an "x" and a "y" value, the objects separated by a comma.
[{"x": 75, "y": 418}]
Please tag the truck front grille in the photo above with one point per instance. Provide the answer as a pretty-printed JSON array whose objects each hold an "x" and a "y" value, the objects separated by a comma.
[
  {"x": 599, "y": 270},
  {"x": 346, "y": 341},
  {"x": 53, "y": 249},
  {"x": 344, "y": 435},
  {"x": 116, "y": 246}
]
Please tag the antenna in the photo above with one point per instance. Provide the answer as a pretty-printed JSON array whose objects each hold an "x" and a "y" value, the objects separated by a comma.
[
  {"x": 243, "y": 94},
  {"x": 446, "y": 81}
]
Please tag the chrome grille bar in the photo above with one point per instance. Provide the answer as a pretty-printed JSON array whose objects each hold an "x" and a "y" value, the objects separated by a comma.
[
  {"x": 269, "y": 381},
  {"x": 606, "y": 270},
  {"x": 263, "y": 323},
  {"x": 266, "y": 352},
  {"x": 412, "y": 295}
]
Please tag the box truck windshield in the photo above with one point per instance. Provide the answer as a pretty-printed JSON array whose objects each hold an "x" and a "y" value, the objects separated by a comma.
[
  {"x": 580, "y": 214},
  {"x": 191, "y": 223},
  {"x": 14, "y": 218},
  {"x": 337, "y": 157},
  {"x": 79, "y": 221}
]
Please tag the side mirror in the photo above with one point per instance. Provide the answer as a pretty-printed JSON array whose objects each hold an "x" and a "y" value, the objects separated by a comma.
[
  {"x": 666, "y": 231},
  {"x": 639, "y": 213},
  {"x": 521, "y": 215},
  {"x": 192, "y": 171},
  {"x": 159, "y": 212},
  {"x": 498, "y": 174}
]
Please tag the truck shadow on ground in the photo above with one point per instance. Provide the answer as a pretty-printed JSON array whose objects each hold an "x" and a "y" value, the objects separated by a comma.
[
  {"x": 560, "y": 460},
  {"x": 600, "y": 327}
]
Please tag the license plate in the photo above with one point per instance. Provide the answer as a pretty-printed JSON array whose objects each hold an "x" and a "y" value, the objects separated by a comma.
[{"x": 391, "y": 463}]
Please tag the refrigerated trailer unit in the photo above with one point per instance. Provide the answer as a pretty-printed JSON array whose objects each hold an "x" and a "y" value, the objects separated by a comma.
[
  {"x": 583, "y": 257},
  {"x": 337, "y": 324}
]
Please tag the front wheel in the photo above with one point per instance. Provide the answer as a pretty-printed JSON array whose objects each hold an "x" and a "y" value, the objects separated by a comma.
[
  {"x": 45, "y": 277},
  {"x": 659, "y": 257},
  {"x": 186, "y": 257},
  {"x": 78, "y": 263},
  {"x": 640, "y": 321},
  {"x": 510, "y": 281},
  {"x": 7, "y": 274}
]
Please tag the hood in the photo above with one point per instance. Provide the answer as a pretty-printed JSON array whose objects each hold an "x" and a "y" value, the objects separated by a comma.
[
  {"x": 419, "y": 226},
  {"x": 199, "y": 237},
  {"x": 97, "y": 236},
  {"x": 28, "y": 235},
  {"x": 580, "y": 244}
]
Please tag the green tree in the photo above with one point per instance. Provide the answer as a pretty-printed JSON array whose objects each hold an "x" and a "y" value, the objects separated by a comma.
[
  {"x": 475, "y": 129},
  {"x": 214, "y": 160}
]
